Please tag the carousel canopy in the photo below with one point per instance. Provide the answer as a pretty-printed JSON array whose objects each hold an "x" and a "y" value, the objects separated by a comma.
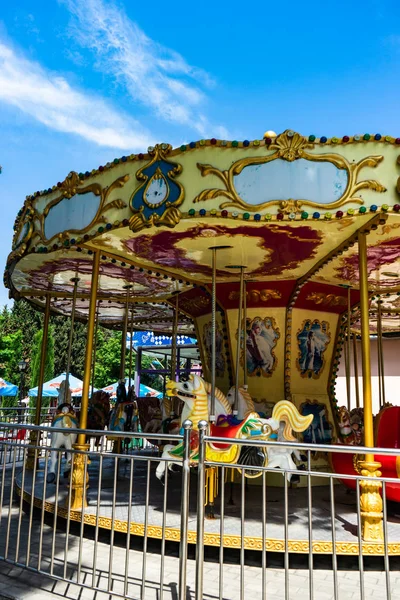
[
  {"x": 51, "y": 388},
  {"x": 7, "y": 389},
  {"x": 144, "y": 390},
  {"x": 288, "y": 207}
]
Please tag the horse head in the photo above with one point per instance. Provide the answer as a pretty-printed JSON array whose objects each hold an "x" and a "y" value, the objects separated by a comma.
[
  {"x": 245, "y": 402},
  {"x": 193, "y": 393},
  {"x": 344, "y": 417}
]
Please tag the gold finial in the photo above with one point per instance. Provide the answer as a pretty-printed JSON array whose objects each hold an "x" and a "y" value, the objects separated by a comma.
[{"x": 270, "y": 134}]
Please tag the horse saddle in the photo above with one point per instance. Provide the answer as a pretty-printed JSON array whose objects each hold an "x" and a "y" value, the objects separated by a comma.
[{"x": 230, "y": 432}]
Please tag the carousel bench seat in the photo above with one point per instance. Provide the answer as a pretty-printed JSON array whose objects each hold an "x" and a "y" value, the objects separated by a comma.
[{"x": 387, "y": 435}]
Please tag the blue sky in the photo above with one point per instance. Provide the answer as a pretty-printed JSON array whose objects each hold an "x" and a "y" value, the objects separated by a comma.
[{"x": 83, "y": 81}]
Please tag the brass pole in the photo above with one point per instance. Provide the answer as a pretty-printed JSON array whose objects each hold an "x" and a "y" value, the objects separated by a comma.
[
  {"x": 370, "y": 498},
  {"x": 124, "y": 334},
  {"x": 244, "y": 334},
  {"x": 365, "y": 345},
  {"x": 79, "y": 474},
  {"x": 355, "y": 357},
  {"x": 239, "y": 340},
  {"x": 214, "y": 327},
  {"x": 95, "y": 349},
  {"x": 131, "y": 347},
  {"x": 381, "y": 369},
  {"x": 348, "y": 363},
  {"x": 71, "y": 331},
  {"x": 34, "y": 436},
  {"x": 43, "y": 351},
  {"x": 213, "y": 332},
  {"x": 175, "y": 339},
  {"x": 89, "y": 347}
]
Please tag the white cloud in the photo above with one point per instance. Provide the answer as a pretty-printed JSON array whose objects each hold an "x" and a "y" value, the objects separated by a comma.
[
  {"x": 156, "y": 76},
  {"x": 51, "y": 100}
]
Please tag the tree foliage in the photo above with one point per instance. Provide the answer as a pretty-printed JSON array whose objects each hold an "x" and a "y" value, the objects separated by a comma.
[
  {"x": 21, "y": 332},
  {"x": 35, "y": 361}
]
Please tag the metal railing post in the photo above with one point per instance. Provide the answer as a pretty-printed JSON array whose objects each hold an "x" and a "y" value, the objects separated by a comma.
[
  {"x": 187, "y": 428},
  {"x": 201, "y": 480}
]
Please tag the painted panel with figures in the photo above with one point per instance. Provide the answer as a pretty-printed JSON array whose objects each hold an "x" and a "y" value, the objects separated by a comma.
[
  {"x": 261, "y": 339},
  {"x": 312, "y": 339}
]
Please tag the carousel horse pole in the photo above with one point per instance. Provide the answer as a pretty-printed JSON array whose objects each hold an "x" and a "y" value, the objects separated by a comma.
[
  {"x": 95, "y": 349},
  {"x": 80, "y": 475},
  {"x": 64, "y": 418},
  {"x": 75, "y": 281},
  {"x": 118, "y": 441},
  {"x": 34, "y": 438},
  {"x": 239, "y": 334},
  {"x": 214, "y": 250}
]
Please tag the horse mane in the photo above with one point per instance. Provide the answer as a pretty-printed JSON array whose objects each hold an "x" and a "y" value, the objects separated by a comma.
[
  {"x": 220, "y": 396},
  {"x": 248, "y": 399}
]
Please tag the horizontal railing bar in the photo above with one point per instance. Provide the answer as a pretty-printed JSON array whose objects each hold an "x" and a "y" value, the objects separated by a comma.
[
  {"x": 94, "y": 432},
  {"x": 300, "y": 446},
  {"x": 322, "y": 474}
]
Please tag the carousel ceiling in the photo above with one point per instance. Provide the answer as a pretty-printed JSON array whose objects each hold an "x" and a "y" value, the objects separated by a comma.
[{"x": 288, "y": 208}]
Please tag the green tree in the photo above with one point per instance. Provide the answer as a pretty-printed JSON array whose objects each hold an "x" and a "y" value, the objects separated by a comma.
[
  {"x": 108, "y": 357},
  {"x": 61, "y": 333}
]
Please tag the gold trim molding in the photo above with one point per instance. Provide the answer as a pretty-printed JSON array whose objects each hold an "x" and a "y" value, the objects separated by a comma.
[
  {"x": 72, "y": 186},
  {"x": 290, "y": 146},
  {"x": 214, "y": 539}
]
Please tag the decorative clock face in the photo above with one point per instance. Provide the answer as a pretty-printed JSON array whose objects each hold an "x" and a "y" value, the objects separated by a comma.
[{"x": 156, "y": 190}]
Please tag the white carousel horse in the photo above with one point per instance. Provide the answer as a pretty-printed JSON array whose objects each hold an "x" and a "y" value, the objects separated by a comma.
[
  {"x": 64, "y": 418},
  {"x": 278, "y": 457},
  {"x": 194, "y": 393},
  {"x": 246, "y": 404}
]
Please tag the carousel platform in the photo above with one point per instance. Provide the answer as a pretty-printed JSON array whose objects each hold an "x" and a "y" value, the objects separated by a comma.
[{"x": 345, "y": 511}]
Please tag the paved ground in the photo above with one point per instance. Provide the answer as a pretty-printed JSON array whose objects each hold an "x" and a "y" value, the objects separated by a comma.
[{"x": 75, "y": 557}]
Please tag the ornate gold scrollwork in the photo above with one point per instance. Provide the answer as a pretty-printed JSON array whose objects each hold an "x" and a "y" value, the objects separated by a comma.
[
  {"x": 194, "y": 304},
  {"x": 290, "y": 147},
  {"x": 73, "y": 185},
  {"x": 326, "y": 299},
  {"x": 258, "y": 295}
]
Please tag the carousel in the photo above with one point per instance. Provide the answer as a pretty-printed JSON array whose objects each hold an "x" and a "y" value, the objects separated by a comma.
[{"x": 280, "y": 256}]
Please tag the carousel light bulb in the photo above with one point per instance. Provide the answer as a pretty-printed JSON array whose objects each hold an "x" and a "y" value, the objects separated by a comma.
[{"x": 269, "y": 134}]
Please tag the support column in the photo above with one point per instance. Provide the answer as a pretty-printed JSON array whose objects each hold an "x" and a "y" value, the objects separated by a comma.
[
  {"x": 34, "y": 437},
  {"x": 78, "y": 485},
  {"x": 370, "y": 498}
]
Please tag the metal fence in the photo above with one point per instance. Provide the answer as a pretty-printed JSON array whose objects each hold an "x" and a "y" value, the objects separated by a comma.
[{"x": 134, "y": 537}]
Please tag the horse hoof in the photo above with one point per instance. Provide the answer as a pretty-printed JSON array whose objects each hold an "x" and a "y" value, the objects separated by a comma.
[
  {"x": 162, "y": 479},
  {"x": 51, "y": 477}
]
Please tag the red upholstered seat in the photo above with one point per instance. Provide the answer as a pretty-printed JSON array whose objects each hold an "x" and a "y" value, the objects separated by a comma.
[
  {"x": 225, "y": 432},
  {"x": 388, "y": 434}
]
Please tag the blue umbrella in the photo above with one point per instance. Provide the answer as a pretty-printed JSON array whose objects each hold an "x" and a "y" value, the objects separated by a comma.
[
  {"x": 51, "y": 388},
  {"x": 144, "y": 390},
  {"x": 7, "y": 389}
]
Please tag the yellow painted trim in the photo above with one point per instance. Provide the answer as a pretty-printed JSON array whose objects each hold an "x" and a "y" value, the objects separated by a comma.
[{"x": 214, "y": 539}]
